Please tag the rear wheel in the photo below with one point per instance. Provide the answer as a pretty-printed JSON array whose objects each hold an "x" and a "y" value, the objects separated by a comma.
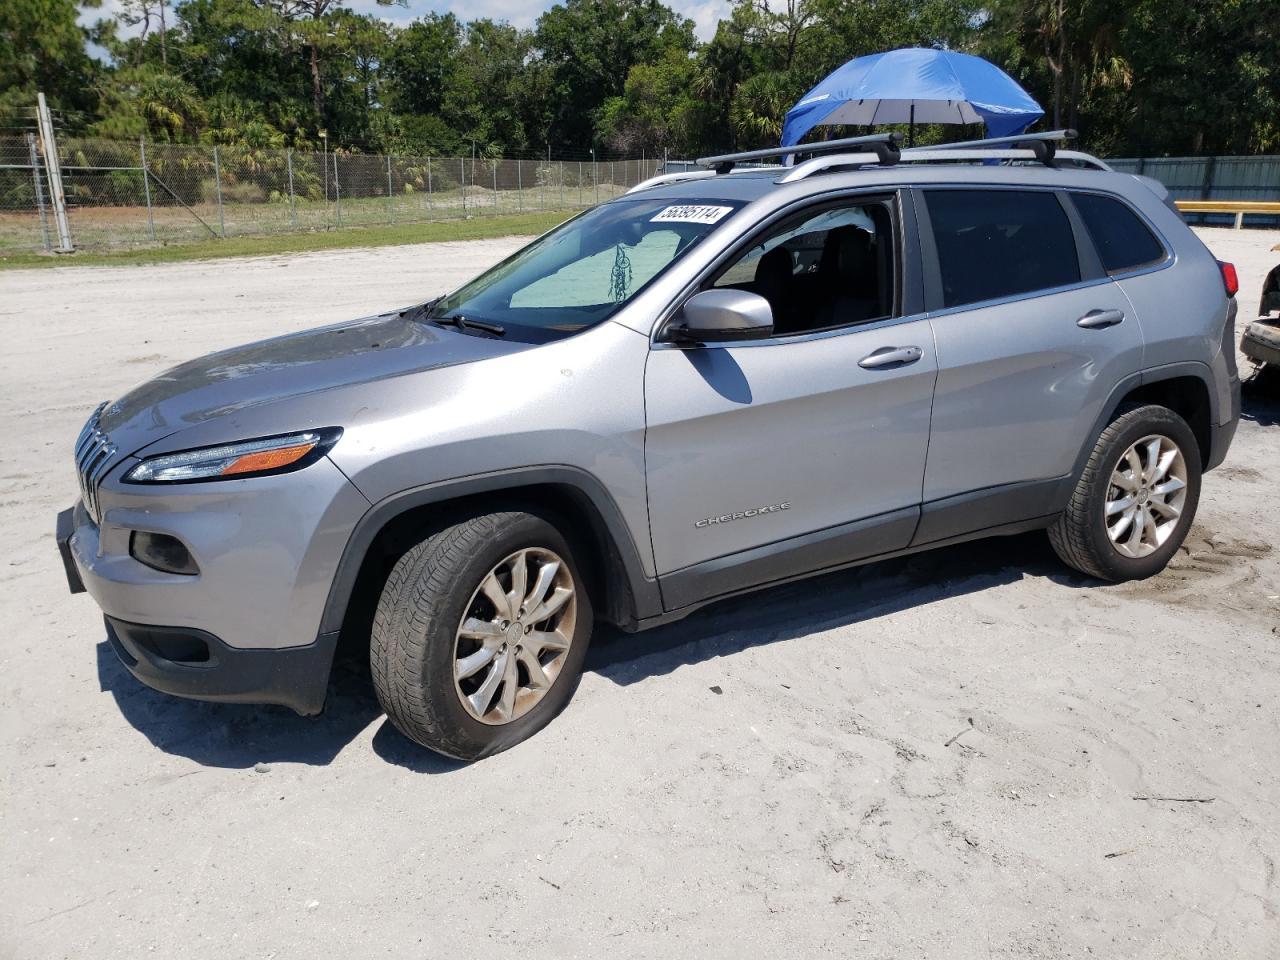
[
  {"x": 480, "y": 634},
  {"x": 1136, "y": 498}
]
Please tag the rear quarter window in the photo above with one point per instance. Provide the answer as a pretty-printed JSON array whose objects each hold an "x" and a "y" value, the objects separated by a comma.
[
  {"x": 1122, "y": 240},
  {"x": 999, "y": 243}
]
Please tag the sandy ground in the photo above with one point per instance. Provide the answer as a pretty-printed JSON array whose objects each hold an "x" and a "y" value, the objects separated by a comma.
[{"x": 770, "y": 777}]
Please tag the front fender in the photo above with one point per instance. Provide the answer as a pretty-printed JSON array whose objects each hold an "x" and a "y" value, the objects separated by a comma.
[{"x": 644, "y": 598}]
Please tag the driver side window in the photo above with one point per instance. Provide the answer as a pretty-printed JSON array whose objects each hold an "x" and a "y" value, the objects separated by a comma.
[{"x": 834, "y": 268}]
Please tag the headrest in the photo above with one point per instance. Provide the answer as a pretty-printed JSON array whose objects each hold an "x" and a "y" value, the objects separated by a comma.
[
  {"x": 855, "y": 256},
  {"x": 774, "y": 268}
]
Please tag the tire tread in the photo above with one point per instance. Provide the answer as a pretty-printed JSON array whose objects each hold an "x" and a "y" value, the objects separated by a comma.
[
  {"x": 1069, "y": 534},
  {"x": 417, "y": 587}
]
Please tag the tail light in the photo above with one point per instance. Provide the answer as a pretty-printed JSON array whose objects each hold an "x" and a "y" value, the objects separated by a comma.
[{"x": 1229, "y": 278}]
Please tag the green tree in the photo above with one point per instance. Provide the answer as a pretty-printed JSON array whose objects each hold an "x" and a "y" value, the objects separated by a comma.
[
  {"x": 587, "y": 48},
  {"x": 657, "y": 110},
  {"x": 42, "y": 49},
  {"x": 421, "y": 63}
]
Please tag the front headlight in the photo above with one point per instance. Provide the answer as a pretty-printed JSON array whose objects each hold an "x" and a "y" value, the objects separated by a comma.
[{"x": 250, "y": 458}]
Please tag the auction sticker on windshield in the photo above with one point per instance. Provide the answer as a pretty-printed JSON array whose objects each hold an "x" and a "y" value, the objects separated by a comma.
[{"x": 691, "y": 213}]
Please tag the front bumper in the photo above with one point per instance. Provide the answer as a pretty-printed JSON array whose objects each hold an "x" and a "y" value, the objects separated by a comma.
[
  {"x": 192, "y": 663},
  {"x": 246, "y": 627}
]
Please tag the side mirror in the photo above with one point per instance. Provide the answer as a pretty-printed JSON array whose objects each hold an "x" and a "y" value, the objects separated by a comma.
[{"x": 716, "y": 316}]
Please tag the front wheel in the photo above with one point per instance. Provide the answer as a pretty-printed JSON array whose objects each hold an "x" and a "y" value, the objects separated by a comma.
[
  {"x": 1135, "y": 500},
  {"x": 480, "y": 634}
]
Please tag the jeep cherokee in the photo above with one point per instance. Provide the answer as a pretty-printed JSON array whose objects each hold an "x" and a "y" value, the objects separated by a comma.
[{"x": 722, "y": 380}]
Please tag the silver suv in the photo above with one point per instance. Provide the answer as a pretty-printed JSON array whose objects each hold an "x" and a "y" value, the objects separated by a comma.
[{"x": 723, "y": 380}]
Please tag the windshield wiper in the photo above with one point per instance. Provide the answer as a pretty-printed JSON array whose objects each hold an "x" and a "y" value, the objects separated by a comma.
[
  {"x": 420, "y": 310},
  {"x": 423, "y": 312},
  {"x": 466, "y": 323}
]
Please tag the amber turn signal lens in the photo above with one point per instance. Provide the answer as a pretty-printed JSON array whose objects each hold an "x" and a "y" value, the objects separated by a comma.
[{"x": 267, "y": 459}]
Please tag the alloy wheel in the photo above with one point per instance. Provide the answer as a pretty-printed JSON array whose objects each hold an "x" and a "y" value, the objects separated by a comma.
[
  {"x": 515, "y": 635},
  {"x": 1145, "y": 496}
]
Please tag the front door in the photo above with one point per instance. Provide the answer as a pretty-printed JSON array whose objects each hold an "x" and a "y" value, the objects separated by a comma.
[{"x": 804, "y": 450}]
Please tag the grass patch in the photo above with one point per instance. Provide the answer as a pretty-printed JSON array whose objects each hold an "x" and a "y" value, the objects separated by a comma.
[{"x": 480, "y": 228}]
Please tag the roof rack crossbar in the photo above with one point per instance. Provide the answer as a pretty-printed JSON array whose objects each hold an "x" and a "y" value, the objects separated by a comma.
[
  {"x": 1043, "y": 145},
  {"x": 1053, "y": 136},
  {"x": 883, "y": 145}
]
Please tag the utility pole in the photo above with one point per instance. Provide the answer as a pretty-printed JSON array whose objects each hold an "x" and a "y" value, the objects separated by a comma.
[
  {"x": 324, "y": 161},
  {"x": 34, "y": 153},
  {"x": 54, "y": 170},
  {"x": 146, "y": 186}
]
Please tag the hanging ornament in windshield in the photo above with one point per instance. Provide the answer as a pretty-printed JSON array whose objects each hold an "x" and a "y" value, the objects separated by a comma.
[{"x": 620, "y": 280}]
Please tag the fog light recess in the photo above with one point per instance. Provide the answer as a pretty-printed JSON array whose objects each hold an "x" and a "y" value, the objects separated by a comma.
[{"x": 159, "y": 551}]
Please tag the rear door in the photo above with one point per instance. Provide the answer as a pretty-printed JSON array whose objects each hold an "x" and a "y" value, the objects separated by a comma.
[{"x": 1031, "y": 337}]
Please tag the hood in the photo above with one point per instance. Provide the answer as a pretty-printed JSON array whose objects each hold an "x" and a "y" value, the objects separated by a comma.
[{"x": 345, "y": 354}]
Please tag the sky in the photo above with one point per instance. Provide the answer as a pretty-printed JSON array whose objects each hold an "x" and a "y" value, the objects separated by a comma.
[{"x": 704, "y": 13}]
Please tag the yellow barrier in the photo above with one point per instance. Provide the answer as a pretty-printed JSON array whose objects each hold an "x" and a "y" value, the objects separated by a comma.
[{"x": 1238, "y": 207}]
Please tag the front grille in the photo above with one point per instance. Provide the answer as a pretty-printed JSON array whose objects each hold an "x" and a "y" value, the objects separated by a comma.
[{"x": 94, "y": 453}]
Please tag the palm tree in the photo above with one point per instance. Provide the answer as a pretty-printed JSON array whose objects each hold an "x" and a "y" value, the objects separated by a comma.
[{"x": 171, "y": 107}]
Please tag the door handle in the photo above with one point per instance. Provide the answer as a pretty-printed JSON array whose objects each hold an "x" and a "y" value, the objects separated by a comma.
[
  {"x": 1097, "y": 319},
  {"x": 890, "y": 357}
]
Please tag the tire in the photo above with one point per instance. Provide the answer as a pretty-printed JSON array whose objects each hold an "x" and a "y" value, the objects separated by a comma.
[
  {"x": 419, "y": 635},
  {"x": 1081, "y": 536}
]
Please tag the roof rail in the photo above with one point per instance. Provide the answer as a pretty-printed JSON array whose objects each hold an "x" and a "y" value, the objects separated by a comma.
[
  {"x": 932, "y": 154},
  {"x": 819, "y": 164},
  {"x": 662, "y": 178},
  {"x": 1043, "y": 145},
  {"x": 883, "y": 145}
]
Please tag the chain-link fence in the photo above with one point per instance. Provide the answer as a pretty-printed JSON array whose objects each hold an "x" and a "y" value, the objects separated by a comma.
[
  {"x": 122, "y": 194},
  {"x": 24, "y": 206},
  {"x": 1213, "y": 178}
]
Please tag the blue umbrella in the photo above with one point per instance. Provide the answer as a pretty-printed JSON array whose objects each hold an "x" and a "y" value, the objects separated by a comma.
[{"x": 913, "y": 86}]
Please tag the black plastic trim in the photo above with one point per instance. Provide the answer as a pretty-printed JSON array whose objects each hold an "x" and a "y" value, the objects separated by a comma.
[
  {"x": 138, "y": 552},
  {"x": 1219, "y": 430},
  {"x": 951, "y": 517},
  {"x": 1025, "y": 505},
  {"x": 1220, "y": 437},
  {"x": 294, "y": 677},
  {"x": 930, "y": 269},
  {"x": 1000, "y": 530},
  {"x": 645, "y": 598},
  {"x": 1088, "y": 259},
  {"x": 802, "y": 555},
  {"x": 65, "y": 527}
]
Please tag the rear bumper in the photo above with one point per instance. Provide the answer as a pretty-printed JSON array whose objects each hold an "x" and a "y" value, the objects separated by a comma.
[
  {"x": 191, "y": 663},
  {"x": 1221, "y": 434}
]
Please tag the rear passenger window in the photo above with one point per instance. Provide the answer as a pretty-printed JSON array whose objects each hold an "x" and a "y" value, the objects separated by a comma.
[
  {"x": 1121, "y": 239},
  {"x": 997, "y": 243}
]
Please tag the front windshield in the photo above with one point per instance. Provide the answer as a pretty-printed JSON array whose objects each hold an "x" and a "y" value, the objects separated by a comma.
[{"x": 585, "y": 269}]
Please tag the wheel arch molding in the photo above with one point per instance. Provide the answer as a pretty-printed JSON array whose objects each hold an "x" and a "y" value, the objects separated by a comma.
[
  {"x": 614, "y": 569},
  {"x": 1161, "y": 385}
]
